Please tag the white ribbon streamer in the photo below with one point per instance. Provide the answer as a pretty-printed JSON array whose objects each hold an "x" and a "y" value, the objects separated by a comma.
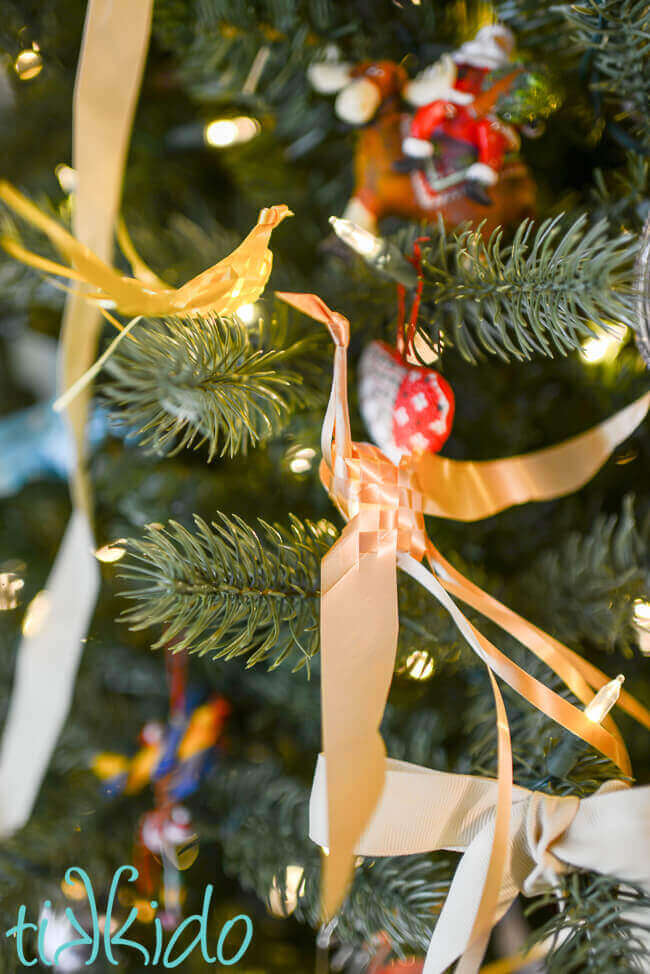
[
  {"x": 108, "y": 79},
  {"x": 421, "y": 810}
]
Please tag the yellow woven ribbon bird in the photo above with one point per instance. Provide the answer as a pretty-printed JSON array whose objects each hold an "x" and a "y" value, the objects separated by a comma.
[
  {"x": 384, "y": 505},
  {"x": 238, "y": 279}
]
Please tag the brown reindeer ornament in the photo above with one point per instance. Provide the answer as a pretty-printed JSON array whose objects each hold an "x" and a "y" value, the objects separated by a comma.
[{"x": 400, "y": 173}]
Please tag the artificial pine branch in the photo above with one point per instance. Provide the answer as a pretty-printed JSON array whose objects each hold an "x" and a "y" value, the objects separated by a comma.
[
  {"x": 230, "y": 590},
  {"x": 585, "y": 588},
  {"x": 622, "y": 196},
  {"x": 208, "y": 381},
  {"x": 616, "y": 36},
  {"x": 543, "y": 292},
  {"x": 602, "y": 926}
]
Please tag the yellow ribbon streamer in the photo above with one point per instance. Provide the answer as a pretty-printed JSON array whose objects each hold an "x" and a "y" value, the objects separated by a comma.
[{"x": 384, "y": 506}]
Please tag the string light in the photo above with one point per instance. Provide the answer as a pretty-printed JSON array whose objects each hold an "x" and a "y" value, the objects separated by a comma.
[
  {"x": 282, "y": 902},
  {"x": 29, "y": 63},
  {"x": 419, "y": 665},
  {"x": 301, "y": 460},
  {"x": 10, "y": 585},
  {"x": 224, "y": 132},
  {"x": 109, "y": 553},
  {"x": 248, "y": 314},
  {"x": 604, "y": 346},
  {"x": 36, "y": 614},
  {"x": 382, "y": 255},
  {"x": 641, "y": 617},
  {"x": 604, "y": 700},
  {"x": 67, "y": 177}
]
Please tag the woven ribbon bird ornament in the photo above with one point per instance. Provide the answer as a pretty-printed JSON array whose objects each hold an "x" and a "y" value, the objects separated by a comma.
[
  {"x": 238, "y": 279},
  {"x": 384, "y": 505}
]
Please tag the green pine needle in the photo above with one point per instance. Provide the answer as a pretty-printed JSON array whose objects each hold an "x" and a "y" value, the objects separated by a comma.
[
  {"x": 229, "y": 590},
  {"x": 602, "y": 926},
  {"x": 542, "y": 293},
  {"x": 185, "y": 384}
]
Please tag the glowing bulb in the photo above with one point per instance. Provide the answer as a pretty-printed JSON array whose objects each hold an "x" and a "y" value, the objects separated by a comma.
[
  {"x": 282, "y": 902},
  {"x": 224, "y": 132},
  {"x": 641, "y": 613},
  {"x": 248, "y": 314},
  {"x": 67, "y": 177},
  {"x": 74, "y": 890},
  {"x": 605, "y": 346},
  {"x": 366, "y": 244},
  {"x": 29, "y": 63},
  {"x": 110, "y": 552},
  {"x": 36, "y": 614},
  {"x": 419, "y": 665},
  {"x": 10, "y": 586},
  {"x": 604, "y": 700},
  {"x": 301, "y": 460}
]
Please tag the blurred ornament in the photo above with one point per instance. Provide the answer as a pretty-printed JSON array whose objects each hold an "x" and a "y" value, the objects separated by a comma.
[
  {"x": 36, "y": 443},
  {"x": 407, "y": 409},
  {"x": 463, "y": 136},
  {"x": 642, "y": 283},
  {"x": 29, "y": 63},
  {"x": 57, "y": 931}
]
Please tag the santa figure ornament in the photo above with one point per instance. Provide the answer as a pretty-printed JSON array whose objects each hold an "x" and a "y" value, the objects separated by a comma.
[{"x": 407, "y": 409}]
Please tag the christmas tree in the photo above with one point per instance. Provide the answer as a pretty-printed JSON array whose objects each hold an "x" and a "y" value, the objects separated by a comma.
[{"x": 467, "y": 185}]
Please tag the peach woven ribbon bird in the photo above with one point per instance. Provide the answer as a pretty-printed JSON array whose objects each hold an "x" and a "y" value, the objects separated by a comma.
[{"x": 384, "y": 505}]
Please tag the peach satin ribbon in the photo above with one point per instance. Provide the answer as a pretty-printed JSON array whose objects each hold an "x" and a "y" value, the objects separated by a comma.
[{"x": 384, "y": 506}]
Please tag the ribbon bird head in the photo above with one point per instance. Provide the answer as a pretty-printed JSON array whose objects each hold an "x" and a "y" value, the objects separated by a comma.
[
  {"x": 238, "y": 279},
  {"x": 384, "y": 505}
]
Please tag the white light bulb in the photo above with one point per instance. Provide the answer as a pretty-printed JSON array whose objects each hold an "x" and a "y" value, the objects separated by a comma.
[
  {"x": 604, "y": 700},
  {"x": 282, "y": 903},
  {"x": 248, "y": 313},
  {"x": 419, "y": 665},
  {"x": 223, "y": 132},
  {"x": 604, "y": 346},
  {"x": 366, "y": 244},
  {"x": 110, "y": 552}
]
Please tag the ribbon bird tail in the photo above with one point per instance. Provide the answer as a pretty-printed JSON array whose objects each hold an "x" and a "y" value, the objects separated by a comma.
[
  {"x": 358, "y": 645},
  {"x": 87, "y": 265}
]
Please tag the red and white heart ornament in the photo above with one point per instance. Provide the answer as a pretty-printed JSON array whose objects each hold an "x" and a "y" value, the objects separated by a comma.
[{"x": 407, "y": 409}]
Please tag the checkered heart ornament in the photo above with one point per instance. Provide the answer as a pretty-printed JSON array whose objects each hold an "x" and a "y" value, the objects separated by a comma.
[{"x": 384, "y": 504}]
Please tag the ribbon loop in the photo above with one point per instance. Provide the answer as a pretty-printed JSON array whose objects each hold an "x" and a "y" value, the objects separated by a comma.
[{"x": 547, "y": 819}]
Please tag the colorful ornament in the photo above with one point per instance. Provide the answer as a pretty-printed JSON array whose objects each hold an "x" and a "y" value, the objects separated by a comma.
[
  {"x": 174, "y": 758},
  {"x": 406, "y": 408},
  {"x": 180, "y": 751},
  {"x": 462, "y": 138}
]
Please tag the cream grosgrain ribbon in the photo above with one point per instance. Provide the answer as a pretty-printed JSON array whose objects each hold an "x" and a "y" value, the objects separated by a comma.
[
  {"x": 108, "y": 79},
  {"x": 384, "y": 505},
  {"x": 421, "y": 811}
]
